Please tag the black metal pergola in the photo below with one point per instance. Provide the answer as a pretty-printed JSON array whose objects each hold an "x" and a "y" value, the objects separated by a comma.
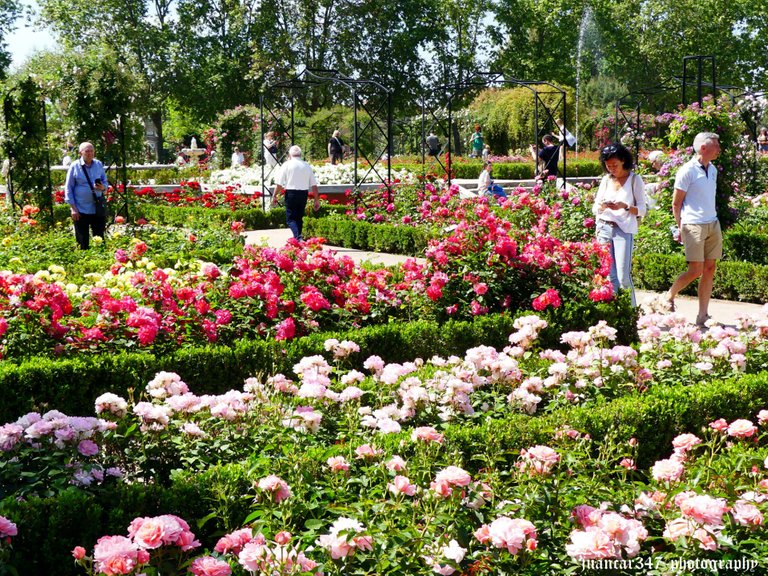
[
  {"x": 438, "y": 114},
  {"x": 627, "y": 120},
  {"x": 372, "y": 108},
  {"x": 13, "y": 179},
  {"x": 693, "y": 81}
]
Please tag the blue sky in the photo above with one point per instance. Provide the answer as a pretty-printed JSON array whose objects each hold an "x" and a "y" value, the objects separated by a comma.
[{"x": 24, "y": 41}]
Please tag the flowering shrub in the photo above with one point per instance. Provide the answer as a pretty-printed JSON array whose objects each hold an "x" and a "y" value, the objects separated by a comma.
[
  {"x": 190, "y": 194},
  {"x": 372, "y": 452},
  {"x": 151, "y": 542}
]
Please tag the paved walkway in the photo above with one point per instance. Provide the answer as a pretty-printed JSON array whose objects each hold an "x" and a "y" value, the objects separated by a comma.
[
  {"x": 722, "y": 311},
  {"x": 278, "y": 238}
]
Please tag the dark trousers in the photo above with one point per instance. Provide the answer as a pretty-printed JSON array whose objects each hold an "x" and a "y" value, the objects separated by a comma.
[
  {"x": 295, "y": 206},
  {"x": 85, "y": 224},
  {"x": 336, "y": 157}
]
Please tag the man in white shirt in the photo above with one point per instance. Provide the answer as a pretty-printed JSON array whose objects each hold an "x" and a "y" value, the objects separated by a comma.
[
  {"x": 295, "y": 178},
  {"x": 693, "y": 206}
]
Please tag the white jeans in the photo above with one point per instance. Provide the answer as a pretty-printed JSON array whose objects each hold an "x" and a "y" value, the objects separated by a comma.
[{"x": 621, "y": 245}]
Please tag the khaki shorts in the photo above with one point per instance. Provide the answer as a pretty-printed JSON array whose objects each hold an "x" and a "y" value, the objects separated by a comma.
[{"x": 702, "y": 241}]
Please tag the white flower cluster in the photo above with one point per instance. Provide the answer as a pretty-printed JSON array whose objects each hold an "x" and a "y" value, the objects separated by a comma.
[
  {"x": 325, "y": 174},
  {"x": 345, "y": 174}
]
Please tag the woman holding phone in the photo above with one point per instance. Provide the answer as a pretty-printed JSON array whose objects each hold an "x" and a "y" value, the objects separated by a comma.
[{"x": 619, "y": 204}]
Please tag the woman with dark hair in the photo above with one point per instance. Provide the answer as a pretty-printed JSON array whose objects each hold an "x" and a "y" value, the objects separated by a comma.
[{"x": 619, "y": 205}]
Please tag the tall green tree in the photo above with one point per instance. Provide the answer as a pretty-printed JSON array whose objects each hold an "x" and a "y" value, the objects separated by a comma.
[
  {"x": 641, "y": 43},
  {"x": 227, "y": 45},
  {"x": 141, "y": 32},
  {"x": 9, "y": 13}
]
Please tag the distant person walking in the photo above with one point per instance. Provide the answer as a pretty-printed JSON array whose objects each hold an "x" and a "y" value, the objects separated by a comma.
[
  {"x": 433, "y": 144},
  {"x": 295, "y": 178},
  {"x": 86, "y": 181},
  {"x": 476, "y": 142},
  {"x": 619, "y": 202},
  {"x": 336, "y": 147},
  {"x": 548, "y": 157},
  {"x": 695, "y": 212}
]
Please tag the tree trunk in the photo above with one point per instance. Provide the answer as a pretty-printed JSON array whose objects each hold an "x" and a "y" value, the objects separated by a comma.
[
  {"x": 157, "y": 119},
  {"x": 458, "y": 146}
]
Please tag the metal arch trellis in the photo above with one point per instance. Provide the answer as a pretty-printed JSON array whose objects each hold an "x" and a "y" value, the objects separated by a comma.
[
  {"x": 8, "y": 103},
  {"x": 698, "y": 62},
  {"x": 625, "y": 122},
  {"x": 442, "y": 115},
  {"x": 375, "y": 125}
]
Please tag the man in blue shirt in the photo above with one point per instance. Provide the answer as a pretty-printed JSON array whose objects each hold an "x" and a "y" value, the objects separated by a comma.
[{"x": 86, "y": 180}]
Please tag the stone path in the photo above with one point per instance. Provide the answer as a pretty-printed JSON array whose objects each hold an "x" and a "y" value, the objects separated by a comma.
[
  {"x": 722, "y": 311},
  {"x": 278, "y": 238}
]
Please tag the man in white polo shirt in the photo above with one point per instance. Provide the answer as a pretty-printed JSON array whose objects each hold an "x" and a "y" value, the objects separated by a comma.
[
  {"x": 693, "y": 206},
  {"x": 296, "y": 179}
]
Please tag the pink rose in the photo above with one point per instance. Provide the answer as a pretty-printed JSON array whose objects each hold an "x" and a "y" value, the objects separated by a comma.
[
  {"x": 454, "y": 476},
  {"x": 667, "y": 470},
  {"x": 721, "y": 425},
  {"x": 337, "y": 464},
  {"x": 7, "y": 528},
  {"x": 427, "y": 434},
  {"x": 234, "y": 542},
  {"x": 511, "y": 534},
  {"x": 151, "y": 533},
  {"x": 401, "y": 485},
  {"x": 538, "y": 460},
  {"x": 746, "y": 513},
  {"x": 395, "y": 464},
  {"x": 78, "y": 552},
  {"x": 677, "y": 528},
  {"x": 591, "y": 545},
  {"x": 704, "y": 509},
  {"x": 742, "y": 429},
  {"x": 283, "y": 537},
  {"x": 367, "y": 452},
  {"x": 210, "y": 566},
  {"x": 88, "y": 448},
  {"x": 276, "y": 486},
  {"x": 685, "y": 442},
  {"x": 628, "y": 463}
]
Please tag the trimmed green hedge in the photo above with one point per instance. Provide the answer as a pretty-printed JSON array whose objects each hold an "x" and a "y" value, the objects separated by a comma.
[
  {"x": 405, "y": 240},
  {"x": 197, "y": 216},
  {"x": 75, "y": 518},
  {"x": 159, "y": 175},
  {"x": 72, "y": 384},
  {"x": 741, "y": 281},
  {"x": 746, "y": 246},
  {"x": 654, "y": 418}
]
